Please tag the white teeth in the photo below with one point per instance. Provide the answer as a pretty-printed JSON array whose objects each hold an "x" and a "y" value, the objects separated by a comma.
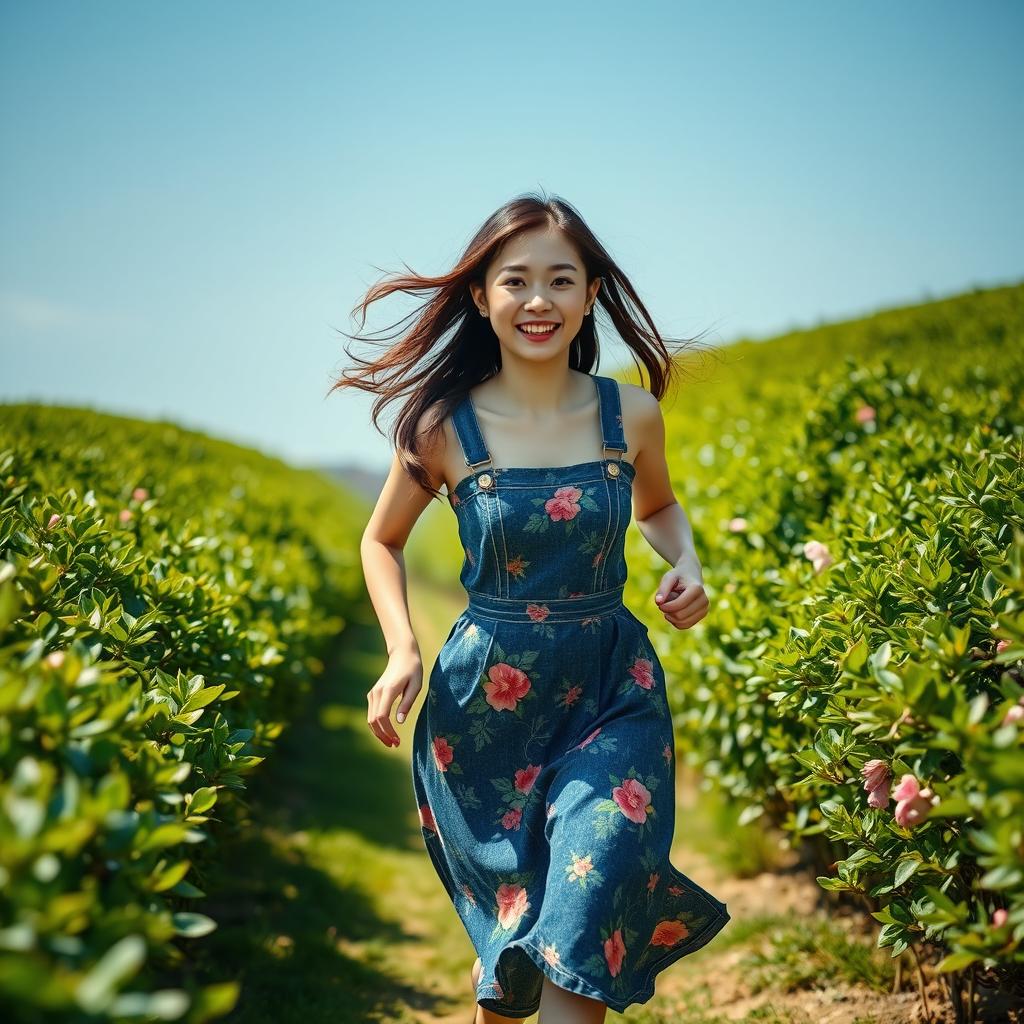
[{"x": 537, "y": 330}]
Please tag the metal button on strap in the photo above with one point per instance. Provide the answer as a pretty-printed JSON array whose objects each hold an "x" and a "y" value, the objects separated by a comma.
[
  {"x": 613, "y": 469},
  {"x": 485, "y": 480}
]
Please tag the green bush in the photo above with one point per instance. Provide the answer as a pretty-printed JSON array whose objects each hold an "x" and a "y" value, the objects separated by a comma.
[
  {"x": 861, "y": 526},
  {"x": 165, "y": 603}
]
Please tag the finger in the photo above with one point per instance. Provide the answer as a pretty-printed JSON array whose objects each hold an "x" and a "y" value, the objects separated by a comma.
[
  {"x": 681, "y": 601},
  {"x": 407, "y": 702},
  {"x": 384, "y": 718},
  {"x": 373, "y": 717}
]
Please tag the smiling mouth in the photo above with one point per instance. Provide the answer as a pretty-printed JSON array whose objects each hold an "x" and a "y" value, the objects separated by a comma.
[{"x": 537, "y": 331}]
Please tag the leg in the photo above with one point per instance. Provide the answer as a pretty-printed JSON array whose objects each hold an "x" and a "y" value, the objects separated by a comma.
[
  {"x": 559, "y": 1006},
  {"x": 485, "y": 1016}
]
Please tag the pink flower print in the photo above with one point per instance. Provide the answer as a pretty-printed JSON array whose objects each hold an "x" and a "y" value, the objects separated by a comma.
[
  {"x": 571, "y": 696},
  {"x": 642, "y": 671},
  {"x": 469, "y": 556},
  {"x": 581, "y": 866},
  {"x": 666, "y": 752},
  {"x": 614, "y": 951},
  {"x": 864, "y": 414},
  {"x": 499, "y": 992},
  {"x": 589, "y": 739},
  {"x": 912, "y": 802},
  {"x": 652, "y": 882},
  {"x": 443, "y": 753},
  {"x": 877, "y": 776},
  {"x": 634, "y": 800},
  {"x": 550, "y": 954},
  {"x": 526, "y": 777},
  {"x": 597, "y": 559},
  {"x": 468, "y": 893},
  {"x": 427, "y": 818},
  {"x": 564, "y": 505},
  {"x": 668, "y": 933},
  {"x": 538, "y": 612},
  {"x": 517, "y": 566},
  {"x": 512, "y": 819},
  {"x": 507, "y": 686},
  {"x": 512, "y": 904},
  {"x": 676, "y": 890}
]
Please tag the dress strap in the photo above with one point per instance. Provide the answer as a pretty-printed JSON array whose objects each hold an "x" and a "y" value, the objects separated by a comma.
[
  {"x": 471, "y": 437},
  {"x": 611, "y": 414}
]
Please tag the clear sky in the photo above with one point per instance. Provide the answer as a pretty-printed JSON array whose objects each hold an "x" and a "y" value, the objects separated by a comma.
[{"x": 193, "y": 196}]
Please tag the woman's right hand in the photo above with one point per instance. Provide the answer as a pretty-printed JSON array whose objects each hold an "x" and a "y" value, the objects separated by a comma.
[{"x": 403, "y": 677}]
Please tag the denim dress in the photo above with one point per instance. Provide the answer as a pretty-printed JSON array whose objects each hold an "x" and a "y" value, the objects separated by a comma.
[{"x": 543, "y": 757}]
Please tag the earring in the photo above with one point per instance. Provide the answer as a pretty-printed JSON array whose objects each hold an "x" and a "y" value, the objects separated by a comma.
[{"x": 483, "y": 312}]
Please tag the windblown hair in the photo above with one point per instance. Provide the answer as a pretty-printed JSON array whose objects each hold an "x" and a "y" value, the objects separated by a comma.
[{"x": 450, "y": 348}]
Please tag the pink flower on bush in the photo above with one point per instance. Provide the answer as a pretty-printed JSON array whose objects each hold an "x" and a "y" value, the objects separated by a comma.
[
  {"x": 999, "y": 917},
  {"x": 140, "y": 494},
  {"x": 819, "y": 555},
  {"x": 125, "y": 515},
  {"x": 506, "y": 687},
  {"x": 877, "y": 777},
  {"x": 737, "y": 524},
  {"x": 54, "y": 659},
  {"x": 538, "y": 612},
  {"x": 1001, "y": 646},
  {"x": 865, "y": 414},
  {"x": 1015, "y": 714},
  {"x": 614, "y": 951},
  {"x": 634, "y": 800},
  {"x": 526, "y": 777},
  {"x": 53, "y": 521},
  {"x": 564, "y": 505},
  {"x": 912, "y": 802}
]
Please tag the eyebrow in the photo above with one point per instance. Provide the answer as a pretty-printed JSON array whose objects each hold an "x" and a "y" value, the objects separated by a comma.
[{"x": 554, "y": 266}]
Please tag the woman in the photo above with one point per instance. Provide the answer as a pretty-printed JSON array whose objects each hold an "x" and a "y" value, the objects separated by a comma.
[{"x": 543, "y": 760}]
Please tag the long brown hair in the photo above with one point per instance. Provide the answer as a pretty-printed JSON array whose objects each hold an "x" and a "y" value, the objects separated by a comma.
[{"x": 432, "y": 371}]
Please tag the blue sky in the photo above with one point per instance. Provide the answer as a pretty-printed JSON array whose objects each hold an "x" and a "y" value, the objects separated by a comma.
[{"x": 193, "y": 196}]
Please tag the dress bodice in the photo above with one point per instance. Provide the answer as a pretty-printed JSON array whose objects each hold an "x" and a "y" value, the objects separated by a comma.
[{"x": 544, "y": 533}]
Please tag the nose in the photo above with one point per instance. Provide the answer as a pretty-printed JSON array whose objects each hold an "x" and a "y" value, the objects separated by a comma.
[{"x": 538, "y": 302}]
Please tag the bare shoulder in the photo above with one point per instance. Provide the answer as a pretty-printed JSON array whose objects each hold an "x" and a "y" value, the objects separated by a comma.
[
  {"x": 432, "y": 440},
  {"x": 641, "y": 418}
]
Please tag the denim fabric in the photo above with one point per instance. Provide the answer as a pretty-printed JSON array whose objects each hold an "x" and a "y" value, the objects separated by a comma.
[{"x": 543, "y": 756}]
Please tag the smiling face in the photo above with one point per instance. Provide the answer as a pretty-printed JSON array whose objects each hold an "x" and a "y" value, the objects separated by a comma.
[{"x": 535, "y": 294}]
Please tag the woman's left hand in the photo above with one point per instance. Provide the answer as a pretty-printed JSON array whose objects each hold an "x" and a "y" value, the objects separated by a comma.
[{"x": 682, "y": 599}]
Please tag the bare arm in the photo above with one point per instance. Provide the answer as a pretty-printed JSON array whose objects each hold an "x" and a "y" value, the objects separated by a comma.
[
  {"x": 661, "y": 519},
  {"x": 381, "y": 549}
]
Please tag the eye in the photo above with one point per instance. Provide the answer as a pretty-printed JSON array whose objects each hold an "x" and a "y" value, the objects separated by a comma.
[{"x": 512, "y": 280}]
